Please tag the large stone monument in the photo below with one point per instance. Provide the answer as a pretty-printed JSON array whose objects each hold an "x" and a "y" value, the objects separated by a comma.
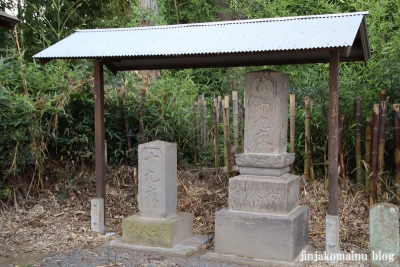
[
  {"x": 264, "y": 220},
  {"x": 158, "y": 226},
  {"x": 384, "y": 235}
]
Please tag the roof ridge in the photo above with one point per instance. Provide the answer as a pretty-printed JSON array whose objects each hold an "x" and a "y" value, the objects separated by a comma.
[{"x": 231, "y": 22}]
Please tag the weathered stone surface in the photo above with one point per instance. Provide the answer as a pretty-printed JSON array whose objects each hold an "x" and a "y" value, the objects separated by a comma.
[
  {"x": 266, "y": 112},
  {"x": 262, "y": 236},
  {"x": 160, "y": 232},
  {"x": 263, "y": 171},
  {"x": 157, "y": 179},
  {"x": 384, "y": 235},
  {"x": 332, "y": 245},
  {"x": 274, "y": 161},
  {"x": 264, "y": 194},
  {"x": 97, "y": 215},
  {"x": 184, "y": 249}
]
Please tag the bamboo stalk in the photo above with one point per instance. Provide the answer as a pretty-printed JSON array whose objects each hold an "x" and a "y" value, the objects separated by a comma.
[
  {"x": 235, "y": 113},
  {"x": 396, "y": 109},
  {"x": 292, "y": 125},
  {"x": 374, "y": 154},
  {"x": 227, "y": 138},
  {"x": 368, "y": 155},
  {"x": 357, "y": 110},
  {"x": 128, "y": 138},
  {"x": 142, "y": 108},
  {"x": 307, "y": 102},
  {"x": 196, "y": 128},
  {"x": 340, "y": 141},
  {"x": 381, "y": 146},
  {"x": 216, "y": 151},
  {"x": 200, "y": 107},
  {"x": 204, "y": 106},
  {"x": 310, "y": 162}
]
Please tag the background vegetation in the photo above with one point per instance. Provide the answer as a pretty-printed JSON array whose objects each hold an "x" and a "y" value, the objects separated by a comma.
[{"x": 47, "y": 112}]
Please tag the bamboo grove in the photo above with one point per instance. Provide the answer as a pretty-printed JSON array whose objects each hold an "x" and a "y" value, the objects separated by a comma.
[{"x": 368, "y": 172}]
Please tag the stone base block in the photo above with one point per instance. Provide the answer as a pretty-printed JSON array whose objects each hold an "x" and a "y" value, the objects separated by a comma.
[
  {"x": 263, "y": 171},
  {"x": 332, "y": 245},
  {"x": 243, "y": 261},
  {"x": 262, "y": 236},
  {"x": 261, "y": 160},
  {"x": 264, "y": 194},
  {"x": 184, "y": 249},
  {"x": 158, "y": 232},
  {"x": 97, "y": 215}
]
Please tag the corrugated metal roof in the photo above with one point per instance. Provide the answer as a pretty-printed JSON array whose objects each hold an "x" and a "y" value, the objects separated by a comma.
[{"x": 206, "y": 39}]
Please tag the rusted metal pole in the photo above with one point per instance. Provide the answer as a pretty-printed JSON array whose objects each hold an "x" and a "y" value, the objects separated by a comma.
[
  {"x": 100, "y": 152},
  {"x": 333, "y": 145}
]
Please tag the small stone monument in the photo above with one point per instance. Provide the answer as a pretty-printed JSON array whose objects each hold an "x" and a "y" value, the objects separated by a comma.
[
  {"x": 263, "y": 220},
  {"x": 384, "y": 235},
  {"x": 158, "y": 227}
]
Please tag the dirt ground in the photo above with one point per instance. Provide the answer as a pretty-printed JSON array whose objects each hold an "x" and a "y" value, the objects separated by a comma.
[{"x": 55, "y": 222}]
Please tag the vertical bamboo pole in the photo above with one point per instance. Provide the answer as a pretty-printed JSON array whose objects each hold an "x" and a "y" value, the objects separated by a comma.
[
  {"x": 396, "y": 109},
  {"x": 196, "y": 128},
  {"x": 127, "y": 135},
  {"x": 216, "y": 152},
  {"x": 310, "y": 162},
  {"x": 357, "y": 110},
  {"x": 381, "y": 146},
  {"x": 235, "y": 119},
  {"x": 307, "y": 102},
  {"x": 292, "y": 125},
  {"x": 200, "y": 125},
  {"x": 341, "y": 152},
  {"x": 227, "y": 138},
  {"x": 374, "y": 154},
  {"x": 368, "y": 156},
  {"x": 204, "y": 130}
]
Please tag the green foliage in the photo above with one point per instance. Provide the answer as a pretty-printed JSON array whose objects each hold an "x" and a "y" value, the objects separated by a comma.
[{"x": 46, "y": 112}]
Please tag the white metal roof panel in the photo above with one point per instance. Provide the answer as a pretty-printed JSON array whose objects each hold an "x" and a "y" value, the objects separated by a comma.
[{"x": 262, "y": 35}]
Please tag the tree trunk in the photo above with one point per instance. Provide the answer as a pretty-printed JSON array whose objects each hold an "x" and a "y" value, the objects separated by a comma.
[{"x": 146, "y": 75}]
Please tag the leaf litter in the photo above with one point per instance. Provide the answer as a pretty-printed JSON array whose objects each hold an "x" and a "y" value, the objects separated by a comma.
[{"x": 44, "y": 224}]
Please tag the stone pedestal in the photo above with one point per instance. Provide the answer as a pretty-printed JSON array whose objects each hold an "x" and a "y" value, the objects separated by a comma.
[
  {"x": 264, "y": 220},
  {"x": 161, "y": 232},
  {"x": 158, "y": 227},
  {"x": 384, "y": 235},
  {"x": 262, "y": 236}
]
